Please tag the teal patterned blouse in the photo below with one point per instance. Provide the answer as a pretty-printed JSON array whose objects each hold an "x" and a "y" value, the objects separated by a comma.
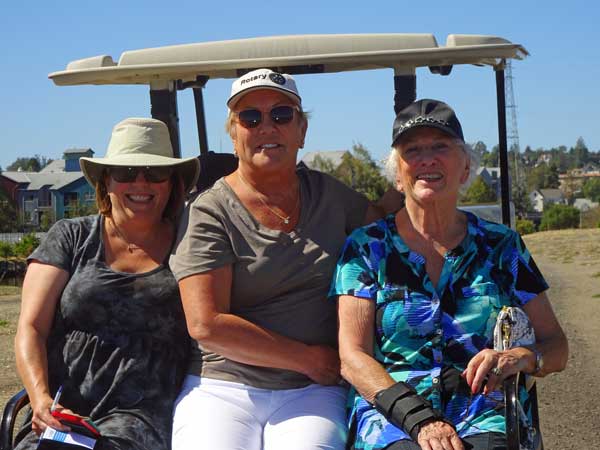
[{"x": 425, "y": 336}]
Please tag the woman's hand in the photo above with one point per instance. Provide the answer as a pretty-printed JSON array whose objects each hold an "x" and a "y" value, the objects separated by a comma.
[
  {"x": 323, "y": 365},
  {"x": 495, "y": 367},
  {"x": 43, "y": 418},
  {"x": 439, "y": 435}
]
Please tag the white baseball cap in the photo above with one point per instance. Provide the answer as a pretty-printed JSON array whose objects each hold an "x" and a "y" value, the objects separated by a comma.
[{"x": 263, "y": 79}]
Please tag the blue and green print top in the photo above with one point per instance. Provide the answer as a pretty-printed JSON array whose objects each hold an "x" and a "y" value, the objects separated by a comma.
[{"x": 426, "y": 336}]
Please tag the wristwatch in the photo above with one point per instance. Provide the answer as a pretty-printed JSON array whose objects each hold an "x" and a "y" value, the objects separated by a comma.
[{"x": 539, "y": 361}]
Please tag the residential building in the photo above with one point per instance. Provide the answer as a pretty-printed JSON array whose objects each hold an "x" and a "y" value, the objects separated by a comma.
[
  {"x": 491, "y": 177},
  {"x": 584, "y": 204},
  {"x": 58, "y": 190},
  {"x": 543, "y": 197}
]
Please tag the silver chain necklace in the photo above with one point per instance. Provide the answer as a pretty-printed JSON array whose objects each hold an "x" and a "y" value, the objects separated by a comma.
[{"x": 284, "y": 219}]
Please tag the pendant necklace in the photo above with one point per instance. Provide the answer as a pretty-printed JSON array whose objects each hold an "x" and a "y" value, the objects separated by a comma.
[
  {"x": 130, "y": 247},
  {"x": 284, "y": 219}
]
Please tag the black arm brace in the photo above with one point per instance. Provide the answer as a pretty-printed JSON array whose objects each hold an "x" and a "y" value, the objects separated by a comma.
[{"x": 402, "y": 406}]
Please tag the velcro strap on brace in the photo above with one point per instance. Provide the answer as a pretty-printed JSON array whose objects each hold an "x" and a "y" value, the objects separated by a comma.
[{"x": 402, "y": 406}]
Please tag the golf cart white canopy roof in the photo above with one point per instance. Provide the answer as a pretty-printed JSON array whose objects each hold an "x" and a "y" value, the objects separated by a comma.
[{"x": 314, "y": 53}]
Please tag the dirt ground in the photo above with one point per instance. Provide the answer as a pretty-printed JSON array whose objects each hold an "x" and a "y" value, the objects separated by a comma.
[{"x": 569, "y": 407}]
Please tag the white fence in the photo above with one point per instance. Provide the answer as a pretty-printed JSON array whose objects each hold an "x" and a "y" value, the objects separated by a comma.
[{"x": 16, "y": 237}]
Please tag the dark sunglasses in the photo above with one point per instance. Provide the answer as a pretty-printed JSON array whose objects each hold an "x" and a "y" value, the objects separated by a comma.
[
  {"x": 125, "y": 174},
  {"x": 280, "y": 115}
]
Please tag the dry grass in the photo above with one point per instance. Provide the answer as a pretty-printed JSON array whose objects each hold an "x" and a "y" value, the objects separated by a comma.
[{"x": 581, "y": 247}]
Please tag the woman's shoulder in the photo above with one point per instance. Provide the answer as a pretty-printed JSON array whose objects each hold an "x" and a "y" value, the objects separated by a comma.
[
  {"x": 492, "y": 233},
  {"x": 317, "y": 178},
  {"x": 374, "y": 231},
  {"x": 213, "y": 195},
  {"x": 77, "y": 225},
  {"x": 326, "y": 187}
]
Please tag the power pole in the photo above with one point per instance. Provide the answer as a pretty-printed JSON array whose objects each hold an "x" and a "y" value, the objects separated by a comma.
[{"x": 511, "y": 110}]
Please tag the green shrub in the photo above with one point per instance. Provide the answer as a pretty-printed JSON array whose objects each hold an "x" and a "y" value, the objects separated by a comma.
[
  {"x": 26, "y": 245},
  {"x": 525, "y": 226},
  {"x": 559, "y": 217},
  {"x": 6, "y": 249}
]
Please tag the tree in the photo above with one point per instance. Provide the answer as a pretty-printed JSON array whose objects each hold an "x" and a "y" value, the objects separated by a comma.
[
  {"x": 82, "y": 209},
  {"x": 30, "y": 164},
  {"x": 491, "y": 159},
  {"x": 47, "y": 219},
  {"x": 525, "y": 226},
  {"x": 543, "y": 176},
  {"x": 480, "y": 149},
  {"x": 6, "y": 249},
  {"x": 558, "y": 217},
  {"x": 580, "y": 154},
  {"x": 552, "y": 181},
  {"x": 357, "y": 170},
  {"x": 521, "y": 199},
  {"x": 8, "y": 214},
  {"x": 27, "y": 245},
  {"x": 591, "y": 189},
  {"x": 479, "y": 192}
]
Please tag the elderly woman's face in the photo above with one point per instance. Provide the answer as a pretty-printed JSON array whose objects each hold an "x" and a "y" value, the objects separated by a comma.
[
  {"x": 431, "y": 165},
  {"x": 269, "y": 145}
]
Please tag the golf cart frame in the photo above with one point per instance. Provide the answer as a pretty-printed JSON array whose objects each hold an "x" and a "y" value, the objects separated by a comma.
[{"x": 168, "y": 70}]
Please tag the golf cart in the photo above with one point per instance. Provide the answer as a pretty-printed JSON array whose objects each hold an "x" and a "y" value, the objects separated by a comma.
[{"x": 167, "y": 70}]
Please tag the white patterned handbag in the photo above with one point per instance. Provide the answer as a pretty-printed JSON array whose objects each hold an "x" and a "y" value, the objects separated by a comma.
[{"x": 513, "y": 329}]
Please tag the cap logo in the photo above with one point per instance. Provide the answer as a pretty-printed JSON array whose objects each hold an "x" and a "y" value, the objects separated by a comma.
[
  {"x": 277, "y": 78},
  {"x": 420, "y": 120},
  {"x": 261, "y": 76}
]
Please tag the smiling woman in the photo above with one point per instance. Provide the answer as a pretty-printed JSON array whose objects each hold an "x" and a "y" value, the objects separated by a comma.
[
  {"x": 419, "y": 292},
  {"x": 93, "y": 290},
  {"x": 254, "y": 260}
]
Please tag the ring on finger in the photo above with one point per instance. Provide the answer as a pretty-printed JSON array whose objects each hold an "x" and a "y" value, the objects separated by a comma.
[{"x": 496, "y": 371}]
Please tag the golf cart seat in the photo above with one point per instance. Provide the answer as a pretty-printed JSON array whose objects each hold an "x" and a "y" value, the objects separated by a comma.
[
  {"x": 515, "y": 433},
  {"x": 214, "y": 166},
  {"x": 9, "y": 417}
]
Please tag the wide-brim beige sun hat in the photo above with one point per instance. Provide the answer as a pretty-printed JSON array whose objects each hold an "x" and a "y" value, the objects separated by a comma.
[{"x": 141, "y": 142}]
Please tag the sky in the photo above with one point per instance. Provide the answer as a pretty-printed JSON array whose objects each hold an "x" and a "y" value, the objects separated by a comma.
[{"x": 556, "y": 88}]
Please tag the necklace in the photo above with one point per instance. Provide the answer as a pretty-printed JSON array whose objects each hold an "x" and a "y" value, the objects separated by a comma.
[
  {"x": 284, "y": 219},
  {"x": 130, "y": 247}
]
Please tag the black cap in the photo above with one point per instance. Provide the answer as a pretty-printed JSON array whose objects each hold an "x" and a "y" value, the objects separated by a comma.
[{"x": 427, "y": 113}]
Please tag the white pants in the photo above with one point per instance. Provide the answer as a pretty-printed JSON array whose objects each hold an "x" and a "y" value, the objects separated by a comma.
[{"x": 221, "y": 415}]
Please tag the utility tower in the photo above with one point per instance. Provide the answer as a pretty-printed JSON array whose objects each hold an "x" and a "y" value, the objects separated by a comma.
[{"x": 511, "y": 110}]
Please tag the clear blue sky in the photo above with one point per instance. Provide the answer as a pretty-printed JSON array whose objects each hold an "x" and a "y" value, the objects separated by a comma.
[{"x": 556, "y": 88}]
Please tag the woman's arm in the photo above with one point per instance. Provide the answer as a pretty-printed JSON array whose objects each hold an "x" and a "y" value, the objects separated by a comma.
[
  {"x": 42, "y": 288},
  {"x": 550, "y": 341},
  {"x": 356, "y": 328},
  {"x": 549, "y": 336},
  {"x": 206, "y": 301}
]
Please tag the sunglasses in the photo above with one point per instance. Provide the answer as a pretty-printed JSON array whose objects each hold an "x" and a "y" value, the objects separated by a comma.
[
  {"x": 125, "y": 174},
  {"x": 280, "y": 115}
]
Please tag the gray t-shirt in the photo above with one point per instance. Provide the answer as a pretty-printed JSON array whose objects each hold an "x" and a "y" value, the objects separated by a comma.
[
  {"x": 118, "y": 343},
  {"x": 280, "y": 280}
]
